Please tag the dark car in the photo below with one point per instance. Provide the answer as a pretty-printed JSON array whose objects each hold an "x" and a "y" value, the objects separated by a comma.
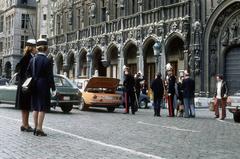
[
  {"x": 67, "y": 93},
  {"x": 143, "y": 98},
  {"x": 3, "y": 81}
]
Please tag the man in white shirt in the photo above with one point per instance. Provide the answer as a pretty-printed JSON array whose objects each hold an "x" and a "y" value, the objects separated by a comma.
[{"x": 221, "y": 96}]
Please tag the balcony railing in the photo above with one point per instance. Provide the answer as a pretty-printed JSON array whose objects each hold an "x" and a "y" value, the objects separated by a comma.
[{"x": 71, "y": 36}]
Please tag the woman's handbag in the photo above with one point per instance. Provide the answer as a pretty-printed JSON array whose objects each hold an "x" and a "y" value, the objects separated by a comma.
[
  {"x": 29, "y": 83},
  {"x": 212, "y": 104}
]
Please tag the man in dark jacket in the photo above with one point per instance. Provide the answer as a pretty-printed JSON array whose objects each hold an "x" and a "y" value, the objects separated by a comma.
[
  {"x": 221, "y": 95},
  {"x": 188, "y": 96},
  {"x": 129, "y": 83},
  {"x": 138, "y": 86},
  {"x": 158, "y": 91}
]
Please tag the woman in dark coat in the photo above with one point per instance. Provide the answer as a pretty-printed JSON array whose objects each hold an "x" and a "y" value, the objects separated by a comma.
[
  {"x": 23, "y": 100},
  {"x": 43, "y": 76}
]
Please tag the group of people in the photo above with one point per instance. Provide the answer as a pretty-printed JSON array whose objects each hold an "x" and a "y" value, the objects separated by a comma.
[
  {"x": 37, "y": 65},
  {"x": 178, "y": 94}
]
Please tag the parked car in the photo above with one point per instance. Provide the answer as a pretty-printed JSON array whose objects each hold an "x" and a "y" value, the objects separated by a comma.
[
  {"x": 143, "y": 98},
  {"x": 233, "y": 104},
  {"x": 67, "y": 93},
  {"x": 101, "y": 92},
  {"x": 3, "y": 81}
]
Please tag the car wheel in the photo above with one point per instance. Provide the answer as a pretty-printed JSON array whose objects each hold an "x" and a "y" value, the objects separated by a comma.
[
  {"x": 82, "y": 106},
  {"x": 66, "y": 108},
  {"x": 143, "y": 104},
  {"x": 110, "y": 109}
]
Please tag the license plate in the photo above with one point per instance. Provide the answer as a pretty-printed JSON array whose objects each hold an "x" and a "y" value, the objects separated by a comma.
[{"x": 66, "y": 98}]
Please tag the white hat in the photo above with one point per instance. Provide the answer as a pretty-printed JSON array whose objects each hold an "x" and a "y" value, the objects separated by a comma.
[
  {"x": 42, "y": 42},
  {"x": 31, "y": 42}
]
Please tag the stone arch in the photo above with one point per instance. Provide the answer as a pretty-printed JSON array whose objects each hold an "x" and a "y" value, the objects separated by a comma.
[
  {"x": 83, "y": 62},
  {"x": 97, "y": 65},
  {"x": 71, "y": 64},
  {"x": 112, "y": 55},
  {"x": 8, "y": 69},
  {"x": 214, "y": 37},
  {"x": 130, "y": 55},
  {"x": 174, "y": 52},
  {"x": 148, "y": 59},
  {"x": 59, "y": 63}
]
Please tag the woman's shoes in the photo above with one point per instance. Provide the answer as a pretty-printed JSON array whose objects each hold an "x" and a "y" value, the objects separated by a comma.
[
  {"x": 39, "y": 133},
  {"x": 29, "y": 129}
]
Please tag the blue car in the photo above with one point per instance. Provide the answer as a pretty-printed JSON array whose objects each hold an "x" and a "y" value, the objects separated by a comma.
[{"x": 143, "y": 98}]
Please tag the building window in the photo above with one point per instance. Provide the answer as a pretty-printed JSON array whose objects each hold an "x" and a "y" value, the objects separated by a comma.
[
  {"x": 79, "y": 17},
  {"x": 44, "y": 17},
  {"x": 58, "y": 24},
  {"x": 25, "y": 21},
  {"x": 23, "y": 42},
  {"x": 1, "y": 23}
]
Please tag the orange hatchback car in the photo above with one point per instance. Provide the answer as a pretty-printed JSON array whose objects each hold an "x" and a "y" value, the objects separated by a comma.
[{"x": 101, "y": 92}]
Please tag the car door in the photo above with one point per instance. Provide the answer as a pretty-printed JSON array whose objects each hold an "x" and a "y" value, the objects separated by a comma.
[{"x": 8, "y": 91}]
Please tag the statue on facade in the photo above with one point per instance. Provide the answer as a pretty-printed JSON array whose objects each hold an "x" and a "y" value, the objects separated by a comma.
[
  {"x": 92, "y": 9},
  {"x": 225, "y": 37}
]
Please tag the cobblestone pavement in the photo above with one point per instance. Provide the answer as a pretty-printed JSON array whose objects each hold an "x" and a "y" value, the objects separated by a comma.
[{"x": 97, "y": 134}]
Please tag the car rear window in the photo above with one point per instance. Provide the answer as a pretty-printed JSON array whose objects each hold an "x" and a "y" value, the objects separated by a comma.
[{"x": 61, "y": 82}]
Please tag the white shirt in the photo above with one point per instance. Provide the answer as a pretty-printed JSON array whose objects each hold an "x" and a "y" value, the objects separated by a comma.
[{"x": 219, "y": 85}]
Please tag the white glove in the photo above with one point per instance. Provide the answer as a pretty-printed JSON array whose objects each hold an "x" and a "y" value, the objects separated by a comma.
[{"x": 54, "y": 93}]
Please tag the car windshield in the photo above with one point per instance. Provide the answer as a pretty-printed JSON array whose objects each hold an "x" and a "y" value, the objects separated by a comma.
[{"x": 61, "y": 82}]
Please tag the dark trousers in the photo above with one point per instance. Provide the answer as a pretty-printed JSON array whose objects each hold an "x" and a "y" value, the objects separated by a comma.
[
  {"x": 223, "y": 104},
  {"x": 157, "y": 101},
  {"x": 130, "y": 102},
  {"x": 170, "y": 106}
]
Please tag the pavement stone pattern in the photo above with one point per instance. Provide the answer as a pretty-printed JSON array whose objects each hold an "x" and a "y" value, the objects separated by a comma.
[{"x": 78, "y": 134}]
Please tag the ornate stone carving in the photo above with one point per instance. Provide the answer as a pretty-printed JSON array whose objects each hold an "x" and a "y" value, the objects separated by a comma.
[
  {"x": 92, "y": 9},
  {"x": 150, "y": 30},
  {"x": 130, "y": 34}
]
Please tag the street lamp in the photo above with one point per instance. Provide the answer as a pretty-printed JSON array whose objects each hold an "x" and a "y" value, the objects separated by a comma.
[{"x": 157, "y": 54}]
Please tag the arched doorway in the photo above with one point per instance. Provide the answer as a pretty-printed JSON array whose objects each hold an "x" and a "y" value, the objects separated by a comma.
[
  {"x": 149, "y": 61},
  {"x": 71, "y": 65},
  {"x": 8, "y": 69},
  {"x": 130, "y": 57},
  {"x": 97, "y": 62},
  {"x": 232, "y": 67},
  {"x": 112, "y": 58},
  {"x": 175, "y": 55},
  {"x": 59, "y": 63},
  {"x": 83, "y": 63}
]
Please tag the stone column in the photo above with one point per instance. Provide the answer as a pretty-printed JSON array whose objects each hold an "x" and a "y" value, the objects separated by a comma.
[
  {"x": 140, "y": 59},
  {"x": 77, "y": 71}
]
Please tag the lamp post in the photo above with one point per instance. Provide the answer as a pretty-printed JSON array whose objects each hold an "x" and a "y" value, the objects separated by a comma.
[{"x": 157, "y": 54}]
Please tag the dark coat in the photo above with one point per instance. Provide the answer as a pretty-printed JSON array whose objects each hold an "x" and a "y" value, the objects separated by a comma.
[
  {"x": 171, "y": 85},
  {"x": 157, "y": 88},
  {"x": 44, "y": 81},
  {"x": 23, "y": 100},
  {"x": 129, "y": 83},
  {"x": 188, "y": 88},
  {"x": 224, "y": 90}
]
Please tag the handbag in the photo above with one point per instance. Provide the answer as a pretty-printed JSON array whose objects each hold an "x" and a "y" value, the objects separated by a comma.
[{"x": 29, "y": 83}]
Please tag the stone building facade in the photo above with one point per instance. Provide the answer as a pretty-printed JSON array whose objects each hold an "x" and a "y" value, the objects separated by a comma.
[
  {"x": 101, "y": 36},
  {"x": 17, "y": 24}
]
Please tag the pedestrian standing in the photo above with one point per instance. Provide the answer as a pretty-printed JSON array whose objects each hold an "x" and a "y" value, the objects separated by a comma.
[
  {"x": 23, "y": 100},
  {"x": 188, "y": 96},
  {"x": 171, "y": 93},
  {"x": 43, "y": 76},
  {"x": 221, "y": 96},
  {"x": 138, "y": 86},
  {"x": 180, "y": 106},
  {"x": 129, "y": 84},
  {"x": 158, "y": 92}
]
